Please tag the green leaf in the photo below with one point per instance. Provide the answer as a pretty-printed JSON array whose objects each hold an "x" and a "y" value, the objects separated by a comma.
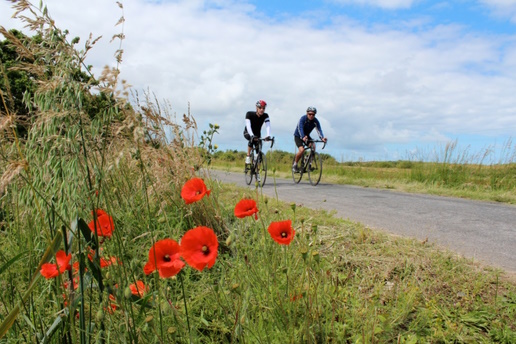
[
  {"x": 13, "y": 314},
  {"x": 86, "y": 233},
  {"x": 11, "y": 262}
]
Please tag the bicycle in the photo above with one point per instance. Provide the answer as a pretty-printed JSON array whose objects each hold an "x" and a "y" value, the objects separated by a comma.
[
  {"x": 258, "y": 167},
  {"x": 310, "y": 163}
]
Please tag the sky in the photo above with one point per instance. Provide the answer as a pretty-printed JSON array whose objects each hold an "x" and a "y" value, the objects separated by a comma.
[{"x": 391, "y": 79}]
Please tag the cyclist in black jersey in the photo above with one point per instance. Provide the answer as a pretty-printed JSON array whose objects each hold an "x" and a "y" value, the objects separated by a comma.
[
  {"x": 254, "y": 121},
  {"x": 304, "y": 127}
]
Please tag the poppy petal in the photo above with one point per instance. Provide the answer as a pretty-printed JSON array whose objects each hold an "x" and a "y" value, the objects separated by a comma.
[
  {"x": 282, "y": 232},
  {"x": 199, "y": 247}
]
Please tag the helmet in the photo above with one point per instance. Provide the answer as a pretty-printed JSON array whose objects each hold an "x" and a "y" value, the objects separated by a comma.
[
  {"x": 311, "y": 109},
  {"x": 261, "y": 104}
]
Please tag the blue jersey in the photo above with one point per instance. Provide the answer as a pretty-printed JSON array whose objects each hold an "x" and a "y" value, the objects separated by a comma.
[{"x": 305, "y": 127}]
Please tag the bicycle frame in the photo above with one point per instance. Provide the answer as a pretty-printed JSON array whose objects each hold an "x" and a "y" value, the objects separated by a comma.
[
  {"x": 258, "y": 167},
  {"x": 310, "y": 163}
]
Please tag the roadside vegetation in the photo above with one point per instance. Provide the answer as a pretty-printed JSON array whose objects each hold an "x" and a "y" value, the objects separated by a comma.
[
  {"x": 449, "y": 172},
  {"x": 112, "y": 231}
]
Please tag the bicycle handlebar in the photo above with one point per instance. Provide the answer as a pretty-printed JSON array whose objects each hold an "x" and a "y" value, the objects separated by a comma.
[
  {"x": 260, "y": 139},
  {"x": 314, "y": 141}
]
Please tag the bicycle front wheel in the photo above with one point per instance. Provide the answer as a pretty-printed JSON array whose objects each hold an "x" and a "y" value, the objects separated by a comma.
[
  {"x": 261, "y": 170},
  {"x": 248, "y": 171},
  {"x": 314, "y": 169},
  {"x": 296, "y": 176}
]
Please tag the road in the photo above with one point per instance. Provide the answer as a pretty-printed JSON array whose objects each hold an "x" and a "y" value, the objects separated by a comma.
[{"x": 482, "y": 231}]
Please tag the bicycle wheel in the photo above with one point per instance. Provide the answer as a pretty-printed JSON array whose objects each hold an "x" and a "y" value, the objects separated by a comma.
[
  {"x": 296, "y": 176},
  {"x": 261, "y": 169},
  {"x": 314, "y": 169},
  {"x": 248, "y": 171}
]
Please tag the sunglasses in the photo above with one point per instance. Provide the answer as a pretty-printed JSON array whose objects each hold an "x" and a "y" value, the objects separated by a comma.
[{"x": 310, "y": 114}]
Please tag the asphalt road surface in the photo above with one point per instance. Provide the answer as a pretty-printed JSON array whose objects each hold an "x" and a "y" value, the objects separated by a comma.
[{"x": 482, "y": 231}]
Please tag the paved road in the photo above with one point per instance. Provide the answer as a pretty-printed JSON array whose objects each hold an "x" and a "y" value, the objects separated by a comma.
[{"x": 483, "y": 231}]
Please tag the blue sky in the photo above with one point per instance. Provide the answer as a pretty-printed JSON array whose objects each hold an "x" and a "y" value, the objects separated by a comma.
[{"x": 392, "y": 79}]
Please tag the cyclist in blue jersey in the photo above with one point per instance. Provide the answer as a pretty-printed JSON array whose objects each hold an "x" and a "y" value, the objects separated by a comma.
[
  {"x": 254, "y": 121},
  {"x": 304, "y": 127}
]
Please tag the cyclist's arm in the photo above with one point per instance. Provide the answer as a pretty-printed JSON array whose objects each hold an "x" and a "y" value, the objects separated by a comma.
[
  {"x": 319, "y": 129},
  {"x": 268, "y": 128},
  {"x": 300, "y": 127},
  {"x": 248, "y": 126}
]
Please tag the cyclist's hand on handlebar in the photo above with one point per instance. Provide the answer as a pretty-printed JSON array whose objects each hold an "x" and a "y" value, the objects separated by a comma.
[
  {"x": 324, "y": 139},
  {"x": 268, "y": 138},
  {"x": 305, "y": 139}
]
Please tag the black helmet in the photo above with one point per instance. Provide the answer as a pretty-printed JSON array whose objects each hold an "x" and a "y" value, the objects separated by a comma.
[{"x": 311, "y": 109}]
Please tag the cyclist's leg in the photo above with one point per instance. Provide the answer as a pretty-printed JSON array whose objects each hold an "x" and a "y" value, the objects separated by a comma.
[
  {"x": 248, "y": 159},
  {"x": 300, "y": 149}
]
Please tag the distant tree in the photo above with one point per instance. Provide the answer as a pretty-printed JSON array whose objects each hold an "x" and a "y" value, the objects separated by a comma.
[{"x": 16, "y": 83}]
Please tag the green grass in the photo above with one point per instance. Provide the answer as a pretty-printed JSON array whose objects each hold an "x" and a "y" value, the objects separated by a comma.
[
  {"x": 445, "y": 177},
  {"x": 337, "y": 281}
]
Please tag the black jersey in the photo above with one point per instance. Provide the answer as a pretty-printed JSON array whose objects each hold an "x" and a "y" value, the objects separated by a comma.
[{"x": 256, "y": 122}]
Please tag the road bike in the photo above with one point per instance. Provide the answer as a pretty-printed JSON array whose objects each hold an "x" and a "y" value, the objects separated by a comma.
[
  {"x": 258, "y": 166},
  {"x": 310, "y": 162}
]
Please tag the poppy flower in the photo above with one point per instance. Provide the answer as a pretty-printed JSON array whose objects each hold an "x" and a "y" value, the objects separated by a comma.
[
  {"x": 246, "y": 207},
  {"x": 103, "y": 261},
  {"x": 139, "y": 288},
  {"x": 164, "y": 257},
  {"x": 49, "y": 270},
  {"x": 194, "y": 190},
  {"x": 199, "y": 247},
  {"x": 105, "y": 225},
  {"x": 282, "y": 232}
]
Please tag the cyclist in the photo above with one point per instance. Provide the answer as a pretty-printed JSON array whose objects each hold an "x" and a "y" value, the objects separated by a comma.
[
  {"x": 253, "y": 126},
  {"x": 304, "y": 127}
]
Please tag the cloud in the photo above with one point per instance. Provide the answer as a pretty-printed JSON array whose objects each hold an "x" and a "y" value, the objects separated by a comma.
[
  {"x": 374, "y": 85},
  {"x": 502, "y": 8},
  {"x": 385, "y": 4}
]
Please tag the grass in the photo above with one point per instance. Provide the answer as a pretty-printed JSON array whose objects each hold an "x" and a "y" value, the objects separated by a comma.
[
  {"x": 337, "y": 281},
  {"x": 446, "y": 176}
]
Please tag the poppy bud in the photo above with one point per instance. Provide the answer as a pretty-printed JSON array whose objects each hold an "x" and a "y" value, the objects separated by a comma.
[
  {"x": 100, "y": 316},
  {"x": 304, "y": 253},
  {"x": 316, "y": 256},
  {"x": 127, "y": 293}
]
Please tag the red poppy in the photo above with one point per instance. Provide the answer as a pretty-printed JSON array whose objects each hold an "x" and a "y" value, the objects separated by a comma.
[
  {"x": 105, "y": 225},
  {"x": 246, "y": 207},
  {"x": 282, "y": 232},
  {"x": 199, "y": 247},
  {"x": 194, "y": 190},
  {"x": 139, "y": 288},
  {"x": 103, "y": 261},
  {"x": 49, "y": 270},
  {"x": 164, "y": 257}
]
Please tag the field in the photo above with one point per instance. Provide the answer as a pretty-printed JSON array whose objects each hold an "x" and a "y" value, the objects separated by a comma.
[
  {"x": 449, "y": 174},
  {"x": 112, "y": 232}
]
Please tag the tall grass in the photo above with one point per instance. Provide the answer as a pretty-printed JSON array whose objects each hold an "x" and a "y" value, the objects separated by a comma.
[{"x": 336, "y": 282}]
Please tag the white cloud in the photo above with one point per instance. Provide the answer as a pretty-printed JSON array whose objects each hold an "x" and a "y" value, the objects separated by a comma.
[
  {"x": 385, "y": 4},
  {"x": 373, "y": 86},
  {"x": 502, "y": 8}
]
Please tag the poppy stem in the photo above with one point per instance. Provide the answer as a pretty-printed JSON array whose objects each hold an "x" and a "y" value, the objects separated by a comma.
[{"x": 186, "y": 307}]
